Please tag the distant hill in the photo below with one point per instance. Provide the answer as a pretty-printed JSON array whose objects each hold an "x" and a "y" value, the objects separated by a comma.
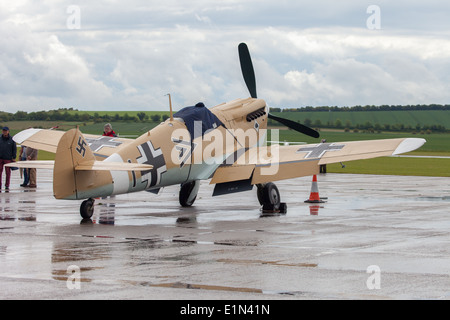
[{"x": 392, "y": 120}]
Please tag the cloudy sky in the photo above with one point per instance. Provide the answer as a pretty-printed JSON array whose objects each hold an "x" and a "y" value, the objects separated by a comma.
[{"x": 126, "y": 55}]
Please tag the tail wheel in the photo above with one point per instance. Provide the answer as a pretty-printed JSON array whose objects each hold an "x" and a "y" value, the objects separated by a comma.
[{"x": 87, "y": 208}]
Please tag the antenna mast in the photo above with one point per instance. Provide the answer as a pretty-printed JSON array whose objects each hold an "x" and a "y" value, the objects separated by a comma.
[{"x": 170, "y": 105}]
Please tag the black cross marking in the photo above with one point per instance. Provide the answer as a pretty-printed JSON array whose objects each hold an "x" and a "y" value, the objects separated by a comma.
[
  {"x": 155, "y": 158},
  {"x": 97, "y": 144},
  {"x": 81, "y": 146},
  {"x": 319, "y": 150}
]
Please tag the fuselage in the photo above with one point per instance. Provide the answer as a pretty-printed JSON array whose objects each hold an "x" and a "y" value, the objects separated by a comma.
[{"x": 177, "y": 158}]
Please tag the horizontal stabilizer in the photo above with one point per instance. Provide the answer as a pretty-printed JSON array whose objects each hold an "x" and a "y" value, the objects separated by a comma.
[
  {"x": 96, "y": 165},
  {"x": 113, "y": 166},
  {"x": 38, "y": 164}
]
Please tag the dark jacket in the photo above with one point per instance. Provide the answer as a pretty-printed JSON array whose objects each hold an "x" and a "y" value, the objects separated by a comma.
[{"x": 8, "y": 148}]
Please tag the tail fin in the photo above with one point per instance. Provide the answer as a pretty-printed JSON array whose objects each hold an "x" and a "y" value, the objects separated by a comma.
[{"x": 71, "y": 152}]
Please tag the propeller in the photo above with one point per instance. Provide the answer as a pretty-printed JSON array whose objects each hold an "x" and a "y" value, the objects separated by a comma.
[
  {"x": 249, "y": 77},
  {"x": 247, "y": 69},
  {"x": 295, "y": 126}
]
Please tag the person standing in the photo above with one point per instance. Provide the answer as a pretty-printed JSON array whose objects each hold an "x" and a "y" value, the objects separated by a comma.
[
  {"x": 32, "y": 155},
  {"x": 8, "y": 153},
  {"x": 323, "y": 167},
  {"x": 108, "y": 131}
]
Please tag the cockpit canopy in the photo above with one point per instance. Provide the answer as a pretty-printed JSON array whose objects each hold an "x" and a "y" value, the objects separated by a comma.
[{"x": 198, "y": 119}]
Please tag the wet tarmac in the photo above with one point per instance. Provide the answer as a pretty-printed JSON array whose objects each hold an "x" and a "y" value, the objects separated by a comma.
[{"x": 376, "y": 237}]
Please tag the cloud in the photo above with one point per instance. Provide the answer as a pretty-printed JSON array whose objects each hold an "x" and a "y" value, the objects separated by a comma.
[
  {"x": 40, "y": 66},
  {"x": 357, "y": 66},
  {"x": 130, "y": 54}
]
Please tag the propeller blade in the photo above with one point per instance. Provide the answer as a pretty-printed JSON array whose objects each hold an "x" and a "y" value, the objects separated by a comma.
[
  {"x": 295, "y": 126},
  {"x": 247, "y": 69}
]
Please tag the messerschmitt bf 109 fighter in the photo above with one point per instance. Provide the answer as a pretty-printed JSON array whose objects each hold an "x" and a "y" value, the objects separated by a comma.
[{"x": 225, "y": 144}]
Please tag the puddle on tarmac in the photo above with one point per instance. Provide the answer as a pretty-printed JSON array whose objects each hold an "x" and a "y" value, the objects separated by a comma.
[
  {"x": 82, "y": 251},
  {"x": 18, "y": 217},
  {"x": 63, "y": 275},
  {"x": 277, "y": 263},
  {"x": 239, "y": 243},
  {"x": 181, "y": 285},
  {"x": 191, "y": 286},
  {"x": 446, "y": 199}
]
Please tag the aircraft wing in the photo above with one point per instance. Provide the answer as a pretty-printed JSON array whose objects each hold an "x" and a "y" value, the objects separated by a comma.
[
  {"x": 40, "y": 139},
  {"x": 47, "y": 140},
  {"x": 272, "y": 163}
]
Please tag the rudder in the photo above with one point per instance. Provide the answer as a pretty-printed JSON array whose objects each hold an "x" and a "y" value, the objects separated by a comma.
[{"x": 72, "y": 151}]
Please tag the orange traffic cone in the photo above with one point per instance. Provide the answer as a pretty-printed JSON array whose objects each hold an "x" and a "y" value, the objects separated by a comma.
[{"x": 314, "y": 196}]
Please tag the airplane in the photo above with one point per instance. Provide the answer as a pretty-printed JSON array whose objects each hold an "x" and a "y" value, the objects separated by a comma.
[{"x": 225, "y": 144}]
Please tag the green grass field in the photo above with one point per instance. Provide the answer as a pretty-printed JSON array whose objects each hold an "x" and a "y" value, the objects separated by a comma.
[
  {"x": 406, "y": 117},
  {"x": 395, "y": 166}
]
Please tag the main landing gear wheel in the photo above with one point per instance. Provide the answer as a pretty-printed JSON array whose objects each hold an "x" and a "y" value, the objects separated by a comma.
[
  {"x": 269, "y": 198},
  {"x": 188, "y": 193},
  {"x": 87, "y": 208}
]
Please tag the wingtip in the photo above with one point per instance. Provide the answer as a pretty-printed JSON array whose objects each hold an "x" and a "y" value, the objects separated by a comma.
[
  {"x": 24, "y": 135},
  {"x": 408, "y": 145}
]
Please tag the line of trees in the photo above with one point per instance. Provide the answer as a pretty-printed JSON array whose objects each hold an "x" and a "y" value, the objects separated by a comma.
[
  {"x": 365, "y": 108},
  {"x": 65, "y": 115},
  {"x": 375, "y": 127}
]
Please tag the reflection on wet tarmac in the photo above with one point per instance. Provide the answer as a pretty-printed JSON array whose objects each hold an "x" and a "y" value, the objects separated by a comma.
[
  {"x": 62, "y": 275},
  {"x": 107, "y": 210},
  {"x": 183, "y": 221},
  {"x": 105, "y": 214},
  {"x": 314, "y": 210},
  {"x": 79, "y": 251},
  {"x": 17, "y": 206}
]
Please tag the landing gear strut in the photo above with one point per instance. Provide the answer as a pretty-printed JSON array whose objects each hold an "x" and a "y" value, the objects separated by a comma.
[
  {"x": 269, "y": 198},
  {"x": 87, "y": 208},
  {"x": 188, "y": 193}
]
